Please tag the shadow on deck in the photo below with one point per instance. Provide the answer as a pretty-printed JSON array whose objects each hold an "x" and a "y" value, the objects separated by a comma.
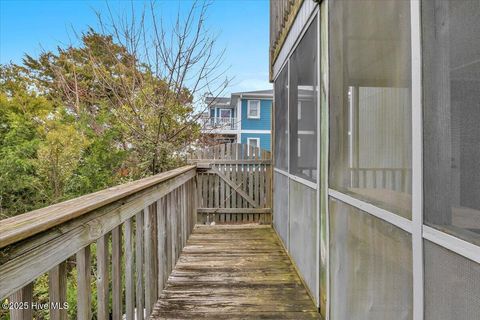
[{"x": 234, "y": 272}]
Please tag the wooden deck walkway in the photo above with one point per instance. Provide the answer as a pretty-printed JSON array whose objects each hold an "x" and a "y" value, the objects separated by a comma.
[{"x": 234, "y": 272}]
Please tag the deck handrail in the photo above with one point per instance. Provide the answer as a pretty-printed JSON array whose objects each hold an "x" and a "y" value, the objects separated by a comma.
[
  {"x": 148, "y": 221},
  {"x": 25, "y": 225},
  {"x": 129, "y": 237}
]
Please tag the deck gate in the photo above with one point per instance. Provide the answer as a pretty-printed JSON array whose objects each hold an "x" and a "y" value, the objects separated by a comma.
[{"x": 234, "y": 184}]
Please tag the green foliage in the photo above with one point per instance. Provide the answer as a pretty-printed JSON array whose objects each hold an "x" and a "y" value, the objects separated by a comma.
[
  {"x": 85, "y": 119},
  {"x": 21, "y": 115}
]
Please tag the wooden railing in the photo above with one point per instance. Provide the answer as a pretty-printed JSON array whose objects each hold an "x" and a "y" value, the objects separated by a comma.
[
  {"x": 133, "y": 235},
  {"x": 220, "y": 123},
  {"x": 395, "y": 179},
  {"x": 233, "y": 184}
]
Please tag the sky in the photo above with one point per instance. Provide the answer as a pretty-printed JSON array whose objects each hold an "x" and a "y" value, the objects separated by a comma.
[{"x": 29, "y": 26}]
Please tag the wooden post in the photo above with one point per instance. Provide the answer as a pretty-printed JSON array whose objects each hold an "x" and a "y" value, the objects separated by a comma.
[
  {"x": 129, "y": 271},
  {"x": 103, "y": 298},
  {"x": 150, "y": 260},
  {"x": 161, "y": 240},
  {"x": 84, "y": 295},
  {"x": 57, "y": 290},
  {"x": 24, "y": 297},
  {"x": 139, "y": 264},
  {"x": 117, "y": 272}
]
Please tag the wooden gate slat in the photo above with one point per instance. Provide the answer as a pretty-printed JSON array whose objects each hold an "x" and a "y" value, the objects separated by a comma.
[{"x": 232, "y": 185}]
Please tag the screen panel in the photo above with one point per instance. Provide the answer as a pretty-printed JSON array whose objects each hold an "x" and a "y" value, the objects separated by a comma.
[
  {"x": 303, "y": 106},
  {"x": 452, "y": 285},
  {"x": 280, "y": 206},
  {"x": 303, "y": 231},
  {"x": 370, "y": 102},
  {"x": 281, "y": 120},
  {"x": 451, "y": 82},
  {"x": 370, "y": 267}
]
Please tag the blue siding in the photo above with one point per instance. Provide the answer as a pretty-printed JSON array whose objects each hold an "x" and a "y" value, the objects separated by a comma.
[
  {"x": 265, "y": 139},
  {"x": 264, "y": 123}
]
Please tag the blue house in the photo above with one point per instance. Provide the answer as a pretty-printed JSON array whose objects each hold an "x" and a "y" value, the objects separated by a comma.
[{"x": 246, "y": 118}]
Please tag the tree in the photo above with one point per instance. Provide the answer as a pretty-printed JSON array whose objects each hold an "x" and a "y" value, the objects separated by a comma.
[
  {"x": 120, "y": 105},
  {"x": 141, "y": 83},
  {"x": 21, "y": 114}
]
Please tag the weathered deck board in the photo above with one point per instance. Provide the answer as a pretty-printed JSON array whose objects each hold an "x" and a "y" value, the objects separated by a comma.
[{"x": 234, "y": 272}]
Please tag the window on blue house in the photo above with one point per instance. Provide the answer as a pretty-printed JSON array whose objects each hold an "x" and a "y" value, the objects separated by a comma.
[
  {"x": 253, "y": 109},
  {"x": 253, "y": 142}
]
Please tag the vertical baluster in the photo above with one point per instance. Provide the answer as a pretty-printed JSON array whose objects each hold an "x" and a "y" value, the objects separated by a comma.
[
  {"x": 184, "y": 215},
  {"x": 217, "y": 194},
  {"x": 194, "y": 206},
  {"x": 84, "y": 298},
  {"x": 262, "y": 186},
  {"x": 226, "y": 217},
  {"x": 209, "y": 197},
  {"x": 245, "y": 174},
  {"x": 103, "y": 311},
  {"x": 139, "y": 264},
  {"x": 173, "y": 228},
  {"x": 222, "y": 189},
  {"x": 394, "y": 180},
  {"x": 178, "y": 223},
  {"x": 199, "y": 187},
  {"x": 57, "y": 290},
  {"x": 238, "y": 173},
  {"x": 384, "y": 178},
  {"x": 129, "y": 271},
  {"x": 205, "y": 195},
  {"x": 161, "y": 240},
  {"x": 268, "y": 184},
  {"x": 22, "y": 296},
  {"x": 257, "y": 177},
  {"x": 117, "y": 292},
  {"x": 168, "y": 238},
  {"x": 250, "y": 178},
  {"x": 150, "y": 260}
]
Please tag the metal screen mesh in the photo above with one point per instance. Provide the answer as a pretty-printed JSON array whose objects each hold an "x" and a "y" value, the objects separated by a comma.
[
  {"x": 303, "y": 106},
  {"x": 452, "y": 285},
  {"x": 451, "y": 56},
  {"x": 280, "y": 206},
  {"x": 370, "y": 101},
  {"x": 370, "y": 267},
  {"x": 281, "y": 120},
  {"x": 303, "y": 231}
]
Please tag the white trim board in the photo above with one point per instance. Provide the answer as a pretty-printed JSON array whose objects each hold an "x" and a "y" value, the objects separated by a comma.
[
  {"x": 380, "y": 213},
  {"x": 452, "y": 243},
  {"x": 417, "y": 162},
  {"x": 305, "y": 15},
  {"x": 303, "y": 181},
  {"x": 256, "y": 131}
]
